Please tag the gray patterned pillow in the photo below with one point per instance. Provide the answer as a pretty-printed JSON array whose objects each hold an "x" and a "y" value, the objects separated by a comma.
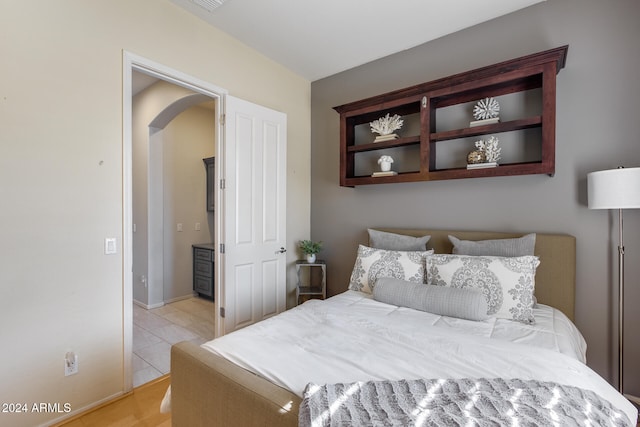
[
  {"x": 372, "y": 263},
  {"x": 520, "y": 246},
  {"x": 506, "y": 282},
  {"x": 443, "y": 300},
  {"x": 396, "y": 242}
]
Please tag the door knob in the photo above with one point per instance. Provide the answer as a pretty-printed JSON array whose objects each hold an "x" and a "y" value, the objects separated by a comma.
[{"x": 281, "y": 251}]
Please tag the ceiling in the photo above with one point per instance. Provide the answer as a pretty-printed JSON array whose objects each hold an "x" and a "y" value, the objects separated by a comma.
[{"x": 316, "y": 39}]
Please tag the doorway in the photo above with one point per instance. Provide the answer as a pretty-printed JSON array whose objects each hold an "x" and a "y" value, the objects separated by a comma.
[
  {"x": 200, "y": 91},
  {"x": 173, "y": 131},
  {"x": 250, "y": 215}
]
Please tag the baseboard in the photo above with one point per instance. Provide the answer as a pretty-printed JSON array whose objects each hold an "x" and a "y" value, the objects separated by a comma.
[
  {"x": 160, "y": 304},
  {"x": 148, "y": 306},
  {"x": 77, "y": 413},
  {"x": 169, "y": 301}
]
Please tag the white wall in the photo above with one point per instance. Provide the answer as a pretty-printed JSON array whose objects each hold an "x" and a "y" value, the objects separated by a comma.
[
  {"x": 61, "y": 178},
  {"x": 597, "y": 128}
]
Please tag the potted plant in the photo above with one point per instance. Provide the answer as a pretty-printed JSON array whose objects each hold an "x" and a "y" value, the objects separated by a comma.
[{"x": 310, "y": 248}]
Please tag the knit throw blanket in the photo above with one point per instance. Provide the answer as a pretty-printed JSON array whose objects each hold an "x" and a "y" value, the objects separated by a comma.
[{"x": 463, "y": 402}]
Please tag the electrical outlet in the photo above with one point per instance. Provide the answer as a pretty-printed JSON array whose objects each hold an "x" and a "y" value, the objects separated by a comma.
[{"x": 70, "y": 364}]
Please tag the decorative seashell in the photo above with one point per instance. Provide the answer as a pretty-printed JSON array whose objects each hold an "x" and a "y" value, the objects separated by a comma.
[
  {"x": 487, "y": 108},
  {"x": 475, "y": 156}
]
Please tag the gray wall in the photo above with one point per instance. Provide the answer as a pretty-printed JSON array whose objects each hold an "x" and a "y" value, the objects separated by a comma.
[{"x": 597, "y": 128}]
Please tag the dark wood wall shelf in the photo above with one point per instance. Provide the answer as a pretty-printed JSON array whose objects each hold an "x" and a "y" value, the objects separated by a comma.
[{"x": 421, "y": 105}]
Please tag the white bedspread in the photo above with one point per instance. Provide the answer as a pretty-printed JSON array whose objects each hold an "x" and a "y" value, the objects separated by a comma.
[{"x": 350, "y": 337}]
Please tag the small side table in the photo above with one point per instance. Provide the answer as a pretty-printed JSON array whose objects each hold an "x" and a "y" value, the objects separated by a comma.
[{"x": 310, "y": 284}]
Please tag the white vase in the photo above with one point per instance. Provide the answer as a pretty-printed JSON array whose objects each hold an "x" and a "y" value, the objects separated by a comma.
[
  {"x": 311, "y": 258},
  {"x": 385, "y": 166}
]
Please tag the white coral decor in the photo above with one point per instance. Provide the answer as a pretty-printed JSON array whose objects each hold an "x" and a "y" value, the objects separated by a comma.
[
  {"x": 387, "y": 159},
  {"x": 385, "y": 163},
  {"x": 487, "y": 108},
  {"x": 386, "y": 125},
  {"x": 490, "y": 149}
]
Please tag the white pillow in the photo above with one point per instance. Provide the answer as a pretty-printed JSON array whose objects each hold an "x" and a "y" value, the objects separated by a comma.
[
  {"x": 372, "y": 263},
  {"x": 507, "y": 283}
]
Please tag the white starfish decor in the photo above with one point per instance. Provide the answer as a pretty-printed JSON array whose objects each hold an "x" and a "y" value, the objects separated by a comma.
[{"x": 487, "y": 108}]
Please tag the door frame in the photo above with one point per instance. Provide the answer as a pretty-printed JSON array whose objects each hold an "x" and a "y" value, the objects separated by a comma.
[{"x": 131, "y": 62}]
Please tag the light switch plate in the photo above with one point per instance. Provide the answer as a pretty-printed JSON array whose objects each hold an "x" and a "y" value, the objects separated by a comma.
[{"x": 110, "y": 246}]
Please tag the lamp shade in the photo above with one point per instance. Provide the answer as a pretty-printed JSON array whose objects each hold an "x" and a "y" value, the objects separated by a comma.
[{"x": 614, "y": 189}]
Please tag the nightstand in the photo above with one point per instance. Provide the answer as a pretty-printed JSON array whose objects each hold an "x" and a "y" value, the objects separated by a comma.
[{"x": 312, "y": 279}]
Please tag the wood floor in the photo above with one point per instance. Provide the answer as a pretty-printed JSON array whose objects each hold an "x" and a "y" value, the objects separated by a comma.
[{"x": 140, "y": 408}]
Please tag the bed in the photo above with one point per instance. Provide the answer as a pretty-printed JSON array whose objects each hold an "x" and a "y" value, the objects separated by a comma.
[{"x": 255, "y": 377}]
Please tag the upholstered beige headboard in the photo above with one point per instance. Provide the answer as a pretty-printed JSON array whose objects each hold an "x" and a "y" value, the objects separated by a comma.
[{"x": 555, "y": 277}]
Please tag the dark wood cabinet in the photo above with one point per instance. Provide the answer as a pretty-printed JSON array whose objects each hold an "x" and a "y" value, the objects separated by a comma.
[
  {"x": 203, "y": 269},
  {"x": 210, "y": 164},
  {"x": 436, "y": 134}
]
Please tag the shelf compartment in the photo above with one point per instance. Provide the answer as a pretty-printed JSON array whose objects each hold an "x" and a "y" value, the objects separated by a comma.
[
  {"x": 527, "y": 123},
  {"x": 501, "y": 84},
  {"x": 528, "y": 168},
  {"x": 406, "y": 160},
  {"x": 519, "y": 146},
  {"x": 362, "y": 134},
  {"x": 359, "y": 113},
  {"x": 401, "y": 177},
  {"x": 400, "y": 142}
]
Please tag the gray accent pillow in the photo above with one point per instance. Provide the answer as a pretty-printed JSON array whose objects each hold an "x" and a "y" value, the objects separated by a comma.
[
  {"x": 396, "y": 242},
  {"x": 372, "y": 263},
  {"x": 442, "y": 300},
  {"x": 507, "y": 283},
  {"x": 521, "y": 246}
]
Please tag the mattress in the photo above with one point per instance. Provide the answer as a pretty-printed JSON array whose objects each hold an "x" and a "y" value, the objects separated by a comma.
[{"x": 351, "y": 337}]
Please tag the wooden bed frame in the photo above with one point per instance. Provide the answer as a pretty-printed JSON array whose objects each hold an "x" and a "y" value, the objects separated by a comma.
[{"x": 208, "y": 390}]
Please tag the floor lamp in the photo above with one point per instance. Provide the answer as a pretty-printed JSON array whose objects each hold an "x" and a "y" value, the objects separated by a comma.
[{"x": 616, "y": 189}]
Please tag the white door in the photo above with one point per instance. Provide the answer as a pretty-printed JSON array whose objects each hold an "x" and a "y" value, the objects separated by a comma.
[{"x": 254, "y": 209}]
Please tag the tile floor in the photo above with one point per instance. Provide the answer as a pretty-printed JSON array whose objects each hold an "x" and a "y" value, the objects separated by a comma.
[{"x": 155, "y": 330}]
